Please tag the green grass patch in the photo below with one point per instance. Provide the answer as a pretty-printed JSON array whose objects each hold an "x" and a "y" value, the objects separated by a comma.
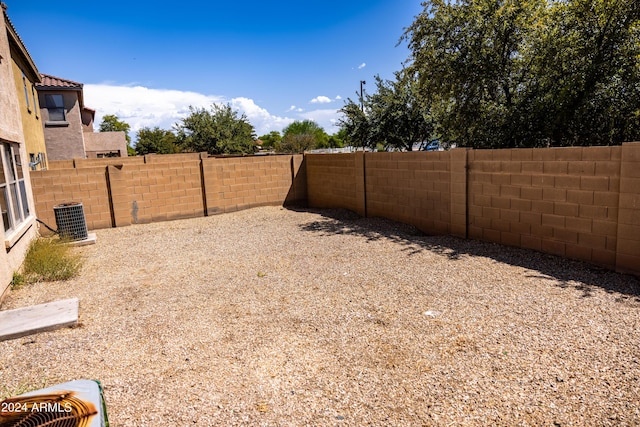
[
  {"x": 18, "y": 280},
  {"x": 48, "y": 260}
]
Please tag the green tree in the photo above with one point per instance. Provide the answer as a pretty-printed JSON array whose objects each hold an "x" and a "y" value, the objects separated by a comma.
[
  {"x": 301, "y": 136},
  {"x": 354, "y": 124},
  {"x": 270, "y": 140},
  {"x": 337, "y": 139},
  {"x": 397, "y": 118},
  {"x": 156, "y": 140},
  {"x": 219, "y": 131},
  {"x": 111, "y": 123},
  {"x": 512, "y": 73}
]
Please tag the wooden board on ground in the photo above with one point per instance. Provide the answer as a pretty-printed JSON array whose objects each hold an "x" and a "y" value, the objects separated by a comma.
[{"x": 38, "y": 318}]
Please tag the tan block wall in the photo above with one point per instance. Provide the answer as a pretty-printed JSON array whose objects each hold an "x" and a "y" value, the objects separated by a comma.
[
  {"x": 413, "y": 188},
  {"x": 234, "y": 184},
  {"x": 581, "y": 203},
  {"x": 168, "y": 158},
  {"x": 332, "y": 181},
  {"x": 156, "y": 192},
  {"x": 124, "y": 191},
  {"x": 578, "y": 202},
  {"x": 628, "y": 244},
  {"x": 103, "y": 162},
  {"x": 562, "y": 201},
  {"x": 88, "y": 186},
  {"x": 60, "y": 164}
]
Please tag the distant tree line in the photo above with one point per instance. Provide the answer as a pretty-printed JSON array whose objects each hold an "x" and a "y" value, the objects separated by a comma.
[
  {"x": 509, "y": 73},
  {"x": 220, "y": 131}
]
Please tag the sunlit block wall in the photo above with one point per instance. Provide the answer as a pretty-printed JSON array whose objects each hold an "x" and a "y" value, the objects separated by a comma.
[
  {"x": 578, "y": 202},
  {"x": 117, "y": 192}
]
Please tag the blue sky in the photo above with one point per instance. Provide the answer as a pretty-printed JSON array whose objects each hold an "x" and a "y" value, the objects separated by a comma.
[{"x": 147, "y": 62}]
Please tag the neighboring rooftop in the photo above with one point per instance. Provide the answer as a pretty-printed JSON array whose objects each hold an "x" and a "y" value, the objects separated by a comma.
[{"x": 53, "y": 82}]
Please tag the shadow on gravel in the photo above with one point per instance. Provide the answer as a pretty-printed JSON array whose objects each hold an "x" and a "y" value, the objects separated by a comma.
[{"x": 562, "y": 272}]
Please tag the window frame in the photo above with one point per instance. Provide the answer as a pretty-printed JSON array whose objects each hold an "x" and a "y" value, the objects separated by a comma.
[
  {"x": 13, "y": 187},
  {"x": 26, "y": 91},
  {"x": 51, "y": 106}
]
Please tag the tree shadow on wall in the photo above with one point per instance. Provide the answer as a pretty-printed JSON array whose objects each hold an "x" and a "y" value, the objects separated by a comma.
[{"x": 562, "y": 272}]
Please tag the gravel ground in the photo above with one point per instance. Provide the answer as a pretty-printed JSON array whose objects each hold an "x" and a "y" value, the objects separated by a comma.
[{"x": 279, "y": 317}]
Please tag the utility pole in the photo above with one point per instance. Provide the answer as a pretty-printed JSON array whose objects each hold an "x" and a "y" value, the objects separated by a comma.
[{"x": 362, "y": 83}]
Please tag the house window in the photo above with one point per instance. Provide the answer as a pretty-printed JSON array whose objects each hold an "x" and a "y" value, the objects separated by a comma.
[
  {"x": 13, "y": 194},
  {"x": 55, "y": 106},
  {"x": 108, "y": 154},
  {"x": 26, "y": 91},
  {"x": 35, "y": 100}
]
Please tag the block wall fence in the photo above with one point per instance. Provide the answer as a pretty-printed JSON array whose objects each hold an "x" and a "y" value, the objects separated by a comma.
[
  {"x": 579, "y": 202},
  {"x": 123, "y": 191}
]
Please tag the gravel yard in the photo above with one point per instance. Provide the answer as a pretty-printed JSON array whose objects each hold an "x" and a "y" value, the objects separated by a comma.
[{"x": 280, "y": 317}]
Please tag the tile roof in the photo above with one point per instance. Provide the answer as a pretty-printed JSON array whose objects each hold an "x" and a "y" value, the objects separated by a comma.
[{"x": 52, "y": 82}]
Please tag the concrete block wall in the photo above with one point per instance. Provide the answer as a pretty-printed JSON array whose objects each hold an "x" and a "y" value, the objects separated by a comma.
[
  {"x": 628, "y": 244},
  {"x": 118, "y": 192},
  {"x": 336, "y": 181},
  {"x": 577, "y": 202},
  {"x": 106, "y": 161},
  {"x": 88, "y": 186},
  {"x": 414, "y": 188},
  {"x": 60, "y": 164},
  {"x": 156, "y": 192},
  {"x": 237, "y": 183},
  {"x": 562, "y": 201}
]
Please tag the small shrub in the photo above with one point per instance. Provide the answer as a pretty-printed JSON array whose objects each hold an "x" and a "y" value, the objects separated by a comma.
[
  {"x": 50, "y": 259},
  {"x": 18, "y": 280}
]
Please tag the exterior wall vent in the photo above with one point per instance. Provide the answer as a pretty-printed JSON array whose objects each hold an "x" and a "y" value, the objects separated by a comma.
[{"x": 70, "y": 221}]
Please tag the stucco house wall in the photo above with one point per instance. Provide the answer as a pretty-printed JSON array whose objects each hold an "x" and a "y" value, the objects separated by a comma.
[
  {"x": 64, "y": 139},
  {"x": 105, "y": 144},
  {"x": 17, "y": 239},
  {"x": 26, "y": 76}
]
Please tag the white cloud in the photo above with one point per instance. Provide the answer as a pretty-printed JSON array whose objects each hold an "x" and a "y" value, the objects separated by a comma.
[
  {"x": 327, "y": 118},
  {"x": 361, "y": 66},
  {"x": 260, "y": 118},
  {"x": 294, "y": 108},
  {"x": 144, "y": 107},
  {"x": 320, "y": 100},
  {"x": 338, "y": 98}
]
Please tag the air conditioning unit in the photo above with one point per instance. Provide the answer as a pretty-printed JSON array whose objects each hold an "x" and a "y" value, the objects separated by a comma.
[{"x": 70, "y": 221}]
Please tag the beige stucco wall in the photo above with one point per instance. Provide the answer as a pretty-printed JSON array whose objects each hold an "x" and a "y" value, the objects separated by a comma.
[
  {"x": 101, "y": 142},
  {"x": 63, "y": 141},
  {"x": 10, "y": 120},
  {"x": 31, "y": 120},
  {"x": 11, "y": 130}
]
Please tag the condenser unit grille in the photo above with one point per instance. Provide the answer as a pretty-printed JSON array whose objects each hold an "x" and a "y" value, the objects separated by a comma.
[{"x": 70, "y": 221}]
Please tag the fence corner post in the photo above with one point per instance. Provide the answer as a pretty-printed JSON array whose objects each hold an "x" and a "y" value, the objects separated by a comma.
[
  {"x": 361, "y": 183},
  {"x": 459, "y": 180},
  {"x": 628, "y": 241}
]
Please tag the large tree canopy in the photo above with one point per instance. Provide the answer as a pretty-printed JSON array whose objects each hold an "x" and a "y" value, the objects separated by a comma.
[
  {"x": 219, "y": 131},
  {"x": 393, "y": 116},
  {"x": 156, "y": 140},
  {"x": 301, "y": 136},
  {"x": 398, "y": 118},
  {"x": 514, "y": 73}
]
